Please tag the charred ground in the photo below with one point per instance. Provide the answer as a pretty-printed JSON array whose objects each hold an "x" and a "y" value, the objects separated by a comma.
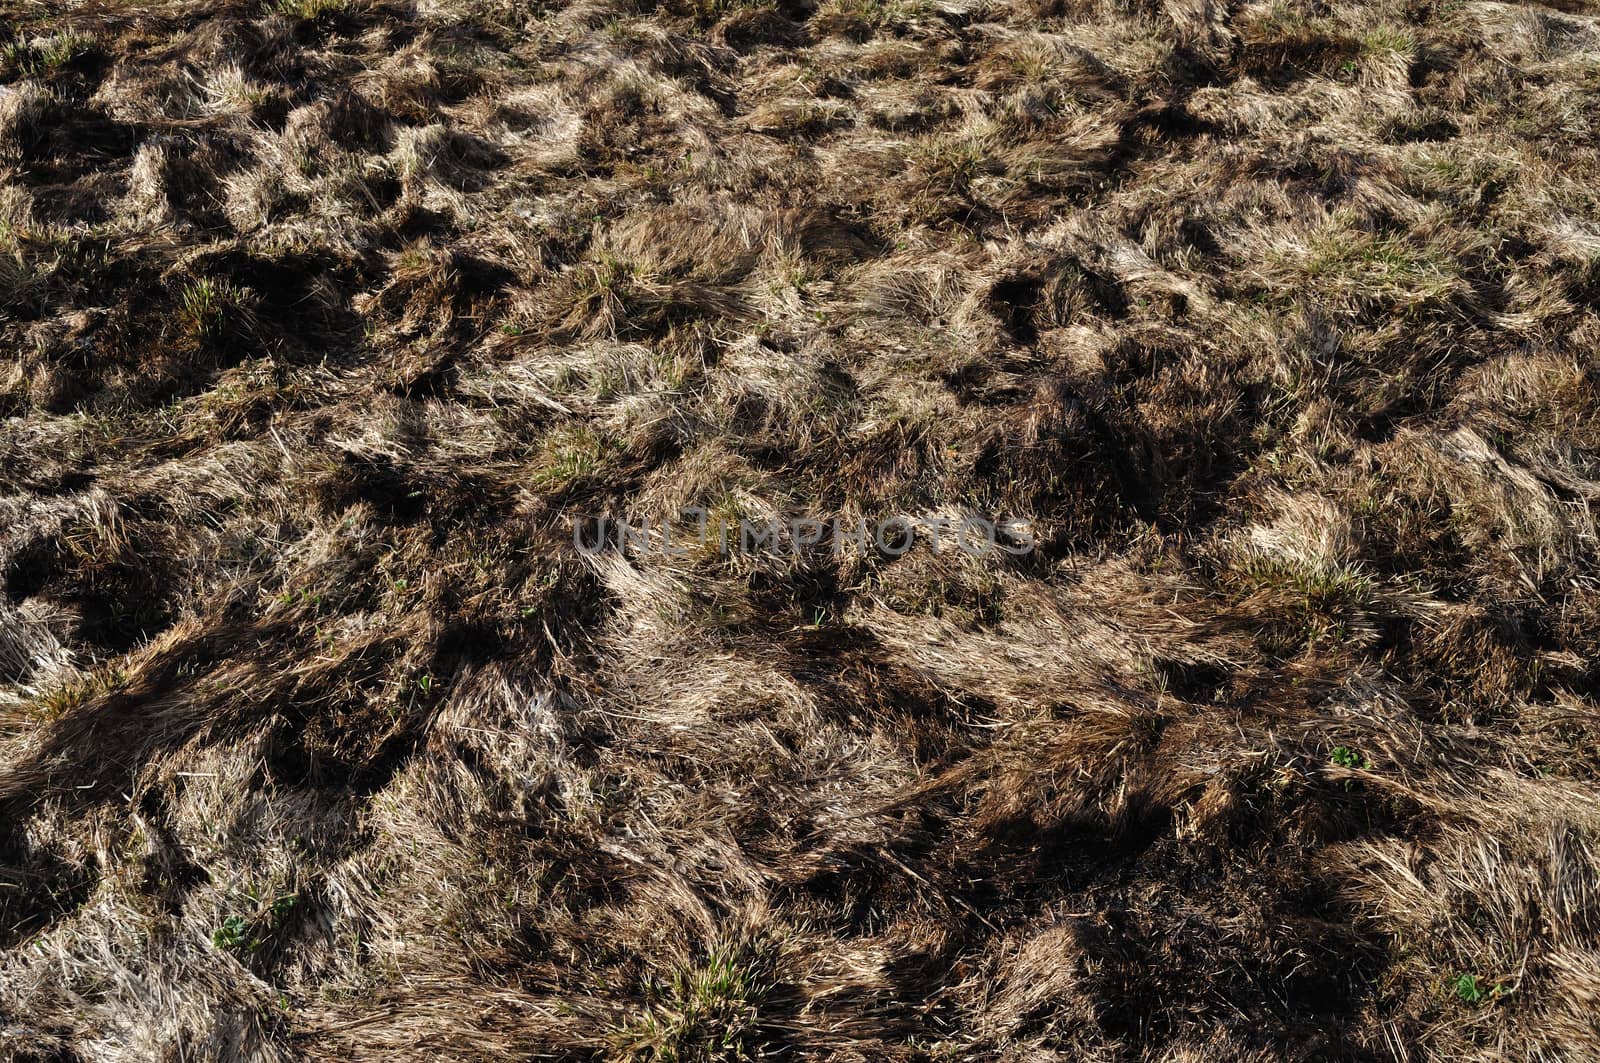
[{"x": 319, "y": 322}]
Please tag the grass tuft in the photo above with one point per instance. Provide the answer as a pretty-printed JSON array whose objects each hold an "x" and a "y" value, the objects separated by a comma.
[
  {"x": 312, "y": 10},
  {"x": 706, "y": 1012},
  {"x": 213, "y": 309}
]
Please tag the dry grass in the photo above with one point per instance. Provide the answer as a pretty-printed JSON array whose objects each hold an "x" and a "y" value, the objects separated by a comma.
[{"x": 320, "y": 319}]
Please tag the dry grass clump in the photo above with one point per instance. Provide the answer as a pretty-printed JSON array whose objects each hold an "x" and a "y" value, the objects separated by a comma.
[{"x": 321, "y": 321}]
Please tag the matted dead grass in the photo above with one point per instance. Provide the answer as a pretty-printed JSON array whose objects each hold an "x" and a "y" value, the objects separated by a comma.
[{"x": 320, "y": 320}]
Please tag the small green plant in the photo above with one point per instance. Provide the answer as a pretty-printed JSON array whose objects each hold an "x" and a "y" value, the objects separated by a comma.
[
  {"x": 303, "y": 596},
  {"x": 237, "y": 933},
  {"x": 1470, "y": 989},
  {"x": 231, "y": 935},
  {"x": 412, "y": 693},
  {"x": 1345, "y": 757}
]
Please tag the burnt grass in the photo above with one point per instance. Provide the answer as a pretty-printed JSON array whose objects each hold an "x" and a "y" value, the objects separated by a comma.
[{"x": 1276, "y": 323}]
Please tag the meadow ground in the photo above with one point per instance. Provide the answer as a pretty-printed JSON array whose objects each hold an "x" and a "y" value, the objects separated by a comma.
[{"x": 1276, "y": 322}]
